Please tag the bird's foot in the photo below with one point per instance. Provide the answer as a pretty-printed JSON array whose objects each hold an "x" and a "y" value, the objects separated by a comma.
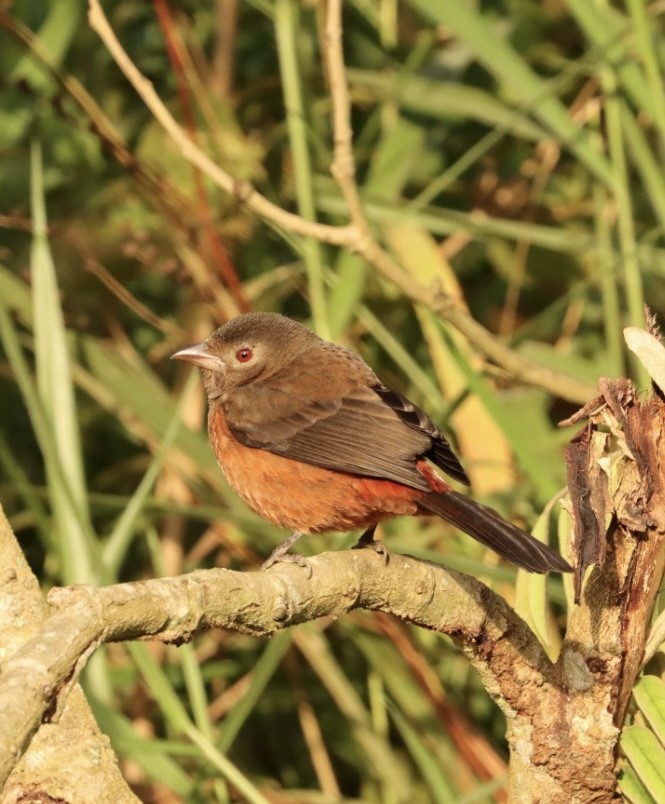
[
  {"x": 281, "y": 555},
  {"x": 367, "y": 540}
]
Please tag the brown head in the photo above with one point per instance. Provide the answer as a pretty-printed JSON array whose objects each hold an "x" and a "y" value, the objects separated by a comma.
[{"x": 250, "y": 347}]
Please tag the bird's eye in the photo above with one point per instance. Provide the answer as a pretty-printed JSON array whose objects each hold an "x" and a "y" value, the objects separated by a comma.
[{"x": 244, "y": 355}]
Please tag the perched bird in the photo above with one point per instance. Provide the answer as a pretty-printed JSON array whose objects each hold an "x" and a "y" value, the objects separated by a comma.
[{"x": 312, "y": 440}]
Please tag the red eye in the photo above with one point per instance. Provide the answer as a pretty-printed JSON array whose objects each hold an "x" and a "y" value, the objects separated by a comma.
[{"x": 244, "y": 355}]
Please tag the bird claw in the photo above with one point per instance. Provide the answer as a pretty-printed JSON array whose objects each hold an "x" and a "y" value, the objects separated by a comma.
[
  {"x": 288, "y": 558},
  {"x": 280, "y": 555},
  {"x": 367, "y": 540}
]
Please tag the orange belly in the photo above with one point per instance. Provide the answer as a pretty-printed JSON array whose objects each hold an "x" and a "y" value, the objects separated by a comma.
[{"x": 303, "y": 497}]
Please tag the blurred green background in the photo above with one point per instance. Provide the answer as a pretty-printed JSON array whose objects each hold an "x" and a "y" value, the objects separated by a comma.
[{"x": 507, "y": 152}]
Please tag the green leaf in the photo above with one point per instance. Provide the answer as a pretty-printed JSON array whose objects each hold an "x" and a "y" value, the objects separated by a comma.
[
  {"x": 650, "y": 697},
  {"x": 55, "y": 35},
  {"x": 445, "y": 100},
  {"x": 531, "y": 593},
  {"x": 632, "y": 788},
  {"x": 647, "y": 757}
]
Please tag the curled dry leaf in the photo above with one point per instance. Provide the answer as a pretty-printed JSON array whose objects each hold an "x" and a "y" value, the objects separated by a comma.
[{"x": 650, "y": 352}]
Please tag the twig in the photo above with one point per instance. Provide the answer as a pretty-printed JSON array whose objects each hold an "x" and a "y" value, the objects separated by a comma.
[
  {"x": 242, "y": 191},
  {"x": 128, "y": 299},
  {"x": 163, "y": 193},
  {"x": 343, "y": 170},
  {"x": 171, "y": 200},
  {"x": 343, "y": 167},
  {"x": 521, "y": 368},
  {"x": 218, "y": 251}
]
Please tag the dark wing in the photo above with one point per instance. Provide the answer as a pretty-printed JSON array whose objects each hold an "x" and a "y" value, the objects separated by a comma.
[
  {"x": 440, "y": 452},
  {"x": 368, "y": 431}
]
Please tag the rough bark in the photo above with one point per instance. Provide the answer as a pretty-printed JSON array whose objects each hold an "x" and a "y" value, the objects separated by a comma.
[
  {"x": 61, "y": 755},
  {"x": 565, "y": 750}
]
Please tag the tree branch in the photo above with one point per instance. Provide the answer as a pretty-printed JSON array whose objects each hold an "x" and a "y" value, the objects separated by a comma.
[
  {"x": 260, "y": 603},
  {"x": 71, "y": 754}
]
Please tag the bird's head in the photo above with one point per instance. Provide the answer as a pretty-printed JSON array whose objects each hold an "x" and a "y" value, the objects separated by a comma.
[{"x": 250, "y": 347}]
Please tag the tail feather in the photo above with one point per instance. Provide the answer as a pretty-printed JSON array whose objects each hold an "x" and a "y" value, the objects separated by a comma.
[{"x": 491, "y": 529}]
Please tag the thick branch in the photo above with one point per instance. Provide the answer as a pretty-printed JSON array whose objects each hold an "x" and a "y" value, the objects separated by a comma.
[
  {"x": 174, "y": 609},
  {"x": 617, "y": 601},
  {"x": 66, "y": 757}
]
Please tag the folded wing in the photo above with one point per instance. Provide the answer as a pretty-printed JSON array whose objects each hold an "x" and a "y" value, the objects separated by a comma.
[{"x": 370, "y": 431}]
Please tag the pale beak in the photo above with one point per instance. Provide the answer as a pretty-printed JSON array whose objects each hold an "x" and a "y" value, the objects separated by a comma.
[{"x": 199, "y": 356}]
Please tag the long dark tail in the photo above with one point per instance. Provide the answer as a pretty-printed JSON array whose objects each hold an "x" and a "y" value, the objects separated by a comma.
[{"x": 490, "y": 528}]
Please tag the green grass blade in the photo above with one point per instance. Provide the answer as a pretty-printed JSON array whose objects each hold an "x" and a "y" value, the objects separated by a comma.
[
  {"x": 443, "y": 221},
  {"x": 38, "y": 418},
  {"x": 116, "y": 547},
  {"x": 405, "y": 362},
  {"x": 650, "y": 697},
  {"x": 264, "y": 669},
  {"x": 390, "y": 168},
  {"x": 497, "y": 55},
  {"x": 645, "y": 159},
  {"x": 445, "y": 100},
  {"x": 647, "y": 36},
  {"x": 196, "y": 692},
  {"x": 608, "y": 286},
  {"x": 135, "y": 388},
  {"x": 288, "y": 41},
  {"x": 431, "y": 772},
  {"x": 19, "y": 481},
  {"x": 168, "y": 701},
  {"x": 607, "y": 29},
  {"x": 148, "y": 754},
  {"x": 647, "y": 757},
  {"x": 56, "y": 393},
  {"x": 623, "y": 200},
  {"x": 375, "y": 750},
  {"x": 515, "y": 427}
]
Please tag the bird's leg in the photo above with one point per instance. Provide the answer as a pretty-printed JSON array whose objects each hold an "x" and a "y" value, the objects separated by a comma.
[
  {"x": 367, "y": 540},
  {"x": 281, "y": 554}
]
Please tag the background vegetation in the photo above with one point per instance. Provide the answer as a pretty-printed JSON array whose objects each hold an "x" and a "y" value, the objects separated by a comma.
[{"x": 509, "y": 153}]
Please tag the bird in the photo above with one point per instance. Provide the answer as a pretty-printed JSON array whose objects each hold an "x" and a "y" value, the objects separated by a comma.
[{"x": 312, "y": 440}]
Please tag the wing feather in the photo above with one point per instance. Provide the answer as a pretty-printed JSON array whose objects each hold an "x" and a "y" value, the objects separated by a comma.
[
  {"x": 440, "y": 452},
  {"x": 369, "y": 431}
]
